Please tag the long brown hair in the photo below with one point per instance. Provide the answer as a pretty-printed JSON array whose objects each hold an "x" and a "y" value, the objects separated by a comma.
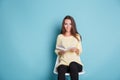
[{"x": 74, "y": 31}]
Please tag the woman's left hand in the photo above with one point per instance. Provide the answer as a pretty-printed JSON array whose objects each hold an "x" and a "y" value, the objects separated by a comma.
[{"x": 74, "y": 50}]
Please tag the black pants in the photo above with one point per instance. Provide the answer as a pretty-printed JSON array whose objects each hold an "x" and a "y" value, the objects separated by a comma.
[{"x": 73, "y": 69}]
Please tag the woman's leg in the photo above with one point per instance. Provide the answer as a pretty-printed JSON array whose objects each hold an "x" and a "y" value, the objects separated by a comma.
[
  {"x": 80, "y": 67},
  {"x": 62, "y": 69},
  {"x": 74, "y": 68}
]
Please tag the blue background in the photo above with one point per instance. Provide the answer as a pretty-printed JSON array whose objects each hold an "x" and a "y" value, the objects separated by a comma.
[{"x": 28, "y": 31}]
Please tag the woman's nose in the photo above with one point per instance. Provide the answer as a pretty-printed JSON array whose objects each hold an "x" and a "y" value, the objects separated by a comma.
[{"x": 68, "y": 25}]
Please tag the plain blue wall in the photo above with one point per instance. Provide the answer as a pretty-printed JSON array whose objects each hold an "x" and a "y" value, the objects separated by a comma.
[{"x": 28, "y": 31}]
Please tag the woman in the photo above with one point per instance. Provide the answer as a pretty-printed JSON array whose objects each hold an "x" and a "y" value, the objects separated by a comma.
[{"x": 69, "y": 48}]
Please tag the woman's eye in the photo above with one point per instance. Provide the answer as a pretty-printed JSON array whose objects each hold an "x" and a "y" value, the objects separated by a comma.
[{"x": 68, "y": 24}]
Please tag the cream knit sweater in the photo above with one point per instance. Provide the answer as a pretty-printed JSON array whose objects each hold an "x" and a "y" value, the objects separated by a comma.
[{"x": 68, "y": 56}]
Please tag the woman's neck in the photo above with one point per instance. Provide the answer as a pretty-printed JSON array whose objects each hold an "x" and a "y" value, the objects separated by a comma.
[{"x": 67, "y": 34}]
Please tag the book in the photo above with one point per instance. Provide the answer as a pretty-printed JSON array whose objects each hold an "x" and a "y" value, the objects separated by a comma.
[{"x": 64, "y": 49}]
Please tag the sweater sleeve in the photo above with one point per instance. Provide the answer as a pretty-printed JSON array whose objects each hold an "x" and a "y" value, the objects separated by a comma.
[
  {"x": 79, "y": 45},
  {"x": 58, "y": 43}
]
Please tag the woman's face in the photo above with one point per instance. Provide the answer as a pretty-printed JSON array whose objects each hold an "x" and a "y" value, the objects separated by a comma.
[{"x": 67, "y": 25}]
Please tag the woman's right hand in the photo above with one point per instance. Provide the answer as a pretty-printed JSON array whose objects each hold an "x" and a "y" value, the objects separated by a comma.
[{"x": 61, "y": 52}]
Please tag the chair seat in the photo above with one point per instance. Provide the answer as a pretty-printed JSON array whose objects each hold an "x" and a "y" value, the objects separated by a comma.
[{"x": 67, "y": 74}]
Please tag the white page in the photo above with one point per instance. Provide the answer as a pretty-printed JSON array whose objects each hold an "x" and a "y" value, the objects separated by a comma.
[{"x": 64, "y": 49}]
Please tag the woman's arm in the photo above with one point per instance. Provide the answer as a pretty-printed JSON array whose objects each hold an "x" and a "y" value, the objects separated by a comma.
[
  {"x": 78, "y": 48},
  {"x": 58, "y": 43}
]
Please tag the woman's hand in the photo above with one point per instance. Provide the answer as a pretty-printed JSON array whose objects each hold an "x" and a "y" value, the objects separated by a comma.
[
  {"x": 74, "y": 50},
  {"x": 61, "y": 52}
]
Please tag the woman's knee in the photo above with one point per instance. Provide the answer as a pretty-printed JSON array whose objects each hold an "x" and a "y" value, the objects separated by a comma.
[
  {"x": 73, "y": 66},
  {"x": 62, "y": 69}
]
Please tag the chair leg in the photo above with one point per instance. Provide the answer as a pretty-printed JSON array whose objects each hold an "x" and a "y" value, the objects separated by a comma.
[{"x": 67, "y": 77}]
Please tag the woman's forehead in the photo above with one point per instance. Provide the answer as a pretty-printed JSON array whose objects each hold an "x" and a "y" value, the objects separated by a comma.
[{"x": 68, "y": 20}]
